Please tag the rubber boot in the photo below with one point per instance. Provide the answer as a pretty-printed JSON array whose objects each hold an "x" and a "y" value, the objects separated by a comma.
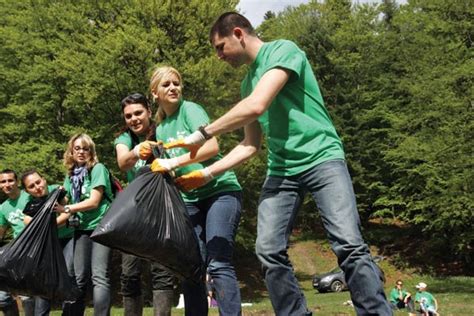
[
  {"x": 11, "y": 310},
  {"x": 133, "y": 306},
  {"x": 162, "y": 302}
]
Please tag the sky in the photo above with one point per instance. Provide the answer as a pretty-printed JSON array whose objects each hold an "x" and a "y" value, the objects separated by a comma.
[{"x": 254, "y": 10}]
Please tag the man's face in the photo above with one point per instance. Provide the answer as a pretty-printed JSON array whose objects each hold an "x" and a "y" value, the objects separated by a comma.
[
  {"x": 36, "y": 185},
  {"x": 230, "y": 49},
  {"x": 8, "y": 183}
]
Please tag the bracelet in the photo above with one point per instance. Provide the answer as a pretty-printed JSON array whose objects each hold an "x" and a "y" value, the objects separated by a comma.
[
  {"x": 67, "y": 209},
  {"x": 202, "y": 129}
]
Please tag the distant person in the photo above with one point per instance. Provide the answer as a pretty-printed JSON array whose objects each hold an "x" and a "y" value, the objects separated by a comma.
[
  {"x": 132, "y": 143},
  {"x": 400, "y": 299},
  {"x": 281, "y": 100},
  {"x": 11, "y": 216},
  {"x": 427, "y": 302},
  {"x": 36, "y": 185}
]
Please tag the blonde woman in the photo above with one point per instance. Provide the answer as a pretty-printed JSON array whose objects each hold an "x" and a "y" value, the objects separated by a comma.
[
  {"x": 88, "y": 186},
  {"x": 214, "y": 208}
]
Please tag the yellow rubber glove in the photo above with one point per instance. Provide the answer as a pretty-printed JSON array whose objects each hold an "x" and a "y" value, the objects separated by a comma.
[
  {"x": 164, "y": 165},
  {"x": 144, "y": 149},
  {"x": 194, "y": 179},
  {"x": 191, "y": 142}
]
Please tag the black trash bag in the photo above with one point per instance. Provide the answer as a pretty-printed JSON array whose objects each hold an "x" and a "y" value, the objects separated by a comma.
[
  {"x": 148, "y": 219},
  {"x": 33, "y": 263}
]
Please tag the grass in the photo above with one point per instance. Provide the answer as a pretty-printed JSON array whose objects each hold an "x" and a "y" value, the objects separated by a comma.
[{"x": 312, "y": 254}]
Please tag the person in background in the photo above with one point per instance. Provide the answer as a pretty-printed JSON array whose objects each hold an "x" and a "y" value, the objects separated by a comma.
[
  {"x": 426, "y": 300},
  {"x": 11, "y": 216},
  {"x": 214, "y": 208},
  {"x": 134, "y": 141},
  {"x": 281, "y": 100},
  {"x": 400, "y": 298},
  {"x": 88, "y": 186},
  {"x": 36, "y": 185}
]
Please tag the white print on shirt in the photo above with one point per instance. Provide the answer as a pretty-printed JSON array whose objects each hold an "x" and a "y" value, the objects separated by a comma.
[{"x": 15, "y": 217}]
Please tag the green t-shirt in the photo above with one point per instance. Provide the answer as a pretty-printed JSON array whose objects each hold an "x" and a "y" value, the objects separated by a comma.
[
  {"x": 426, "y": 298},
  {"x": 126, "y": 140},
  {"x": 183, "y": 122},
  {"x": 97, "y": 177},
  {"x": 11, "y": 213},
  {"x": 395, "y": 297},
  {"x": 297, "y": 126}
]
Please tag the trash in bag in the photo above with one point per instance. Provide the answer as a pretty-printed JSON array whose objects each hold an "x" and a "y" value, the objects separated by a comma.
[
  {"x": 148, "y": 219},
  {"x": 33, "y": 263}
]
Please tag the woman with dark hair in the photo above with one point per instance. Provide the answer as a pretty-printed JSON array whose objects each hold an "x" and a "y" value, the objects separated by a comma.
[
  {"x": 88, "y": 186},
  {"x": 135, "y": 140}
]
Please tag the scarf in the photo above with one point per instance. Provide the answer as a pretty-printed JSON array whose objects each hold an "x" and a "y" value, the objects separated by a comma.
[{"x": 77, "y": 180}]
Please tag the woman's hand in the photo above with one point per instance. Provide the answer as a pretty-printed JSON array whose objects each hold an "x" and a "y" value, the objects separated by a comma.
[
  {"x": 164, "y": 165},
  {"x": 58, "y": 208},
  {"x": 144, "y": 150}
]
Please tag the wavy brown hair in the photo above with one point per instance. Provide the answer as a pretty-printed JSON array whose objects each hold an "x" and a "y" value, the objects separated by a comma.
[{"x": 86, "y": 141}]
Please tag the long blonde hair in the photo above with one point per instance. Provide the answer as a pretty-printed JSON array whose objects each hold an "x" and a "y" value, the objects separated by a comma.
[
  {"x": 86, "y": 141},
  {"x": 160, "y": 72}
]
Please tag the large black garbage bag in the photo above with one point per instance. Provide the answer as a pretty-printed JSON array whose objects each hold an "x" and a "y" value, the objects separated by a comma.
[
  {"x": 33, "y": 263},
  {"x": 148, "y": 219}
]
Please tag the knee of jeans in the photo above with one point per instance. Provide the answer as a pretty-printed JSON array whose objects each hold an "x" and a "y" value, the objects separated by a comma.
[{"x": 219, "y": 266}]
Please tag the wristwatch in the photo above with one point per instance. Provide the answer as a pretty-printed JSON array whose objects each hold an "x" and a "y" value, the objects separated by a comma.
[
  {"x": 67, "y": 209},
  {"x": 202, "y": 129}
]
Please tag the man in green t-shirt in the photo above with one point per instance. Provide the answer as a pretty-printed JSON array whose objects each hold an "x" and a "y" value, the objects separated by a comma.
[
  {"x": 281, "y": 100},
  {"x": 11, "y": 216},
  {"x": 400, "y": 298},
  {"x": 428, "y": 304}
]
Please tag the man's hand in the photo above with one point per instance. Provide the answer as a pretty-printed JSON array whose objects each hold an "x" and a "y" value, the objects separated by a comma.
[
  {"x": 144, "y": 149},
  {"x": 194, "y": 179},
  {"x": 191, "y": 142},
  {"x": 164, "y": 165}
]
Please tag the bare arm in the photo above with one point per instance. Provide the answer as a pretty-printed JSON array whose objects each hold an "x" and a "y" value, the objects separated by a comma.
[
  {"x": 250, "y": 108},
  {"x": 207, "y": 151},
  {"x": 126, "y": 158},
  {"x": 87, "y": 205},
  {"x": 242, "y": 152}
]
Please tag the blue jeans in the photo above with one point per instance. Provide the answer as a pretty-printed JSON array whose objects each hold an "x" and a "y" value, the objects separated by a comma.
[
  {"x": 91, "y": 262},
  {"x": 331, "y": 187},
  {"x": 215, "y": 222},
  {"x": 42, "y": 305}
]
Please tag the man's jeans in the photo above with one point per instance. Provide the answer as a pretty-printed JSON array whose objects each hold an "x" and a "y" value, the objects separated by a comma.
[
  {"x": 91, "y": 260},
  {"x": 331, "y": 187},
  {"x": 132, "y": 268},
  {"x": 42, "y": 305},
  {"x": 215, "y": 221}
]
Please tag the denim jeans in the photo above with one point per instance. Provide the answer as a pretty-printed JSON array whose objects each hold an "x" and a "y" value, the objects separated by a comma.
[
  {"x": 91, "y": 262},
  {"x": 130, "y": 278},
  {"x": 331, "y": 187},
  {"x": 215, "y": 221},
  {"x": 42, "y": 305}
]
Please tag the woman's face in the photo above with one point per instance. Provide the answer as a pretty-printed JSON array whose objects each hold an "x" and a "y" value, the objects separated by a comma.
[
  {"x": 168, "y": 90},
  {"x": 35, "y": 185},
  {"x": 137, "y": 117},
  {"x": 81, "y": 152}
]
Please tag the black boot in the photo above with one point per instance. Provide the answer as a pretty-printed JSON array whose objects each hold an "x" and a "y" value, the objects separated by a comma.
[
  {"x": 162, "y": 302},
  {"x": 133, "y": 306}
]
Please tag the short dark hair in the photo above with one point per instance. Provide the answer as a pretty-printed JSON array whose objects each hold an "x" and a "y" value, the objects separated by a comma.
[
  {"x": 136, "y": 98},
  {"x": 10, "y": 171},
  {"x": 28, "y": 173},
  {"x": 227, "y": 22}
]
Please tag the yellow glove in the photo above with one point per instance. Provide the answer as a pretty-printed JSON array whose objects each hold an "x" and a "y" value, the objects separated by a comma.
[
  {"x": 144, "y": 149},
  {"x": 164, "y": 165},
  {"x": 194, "y": 179},
  {"x": 191, "y": 142}
]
